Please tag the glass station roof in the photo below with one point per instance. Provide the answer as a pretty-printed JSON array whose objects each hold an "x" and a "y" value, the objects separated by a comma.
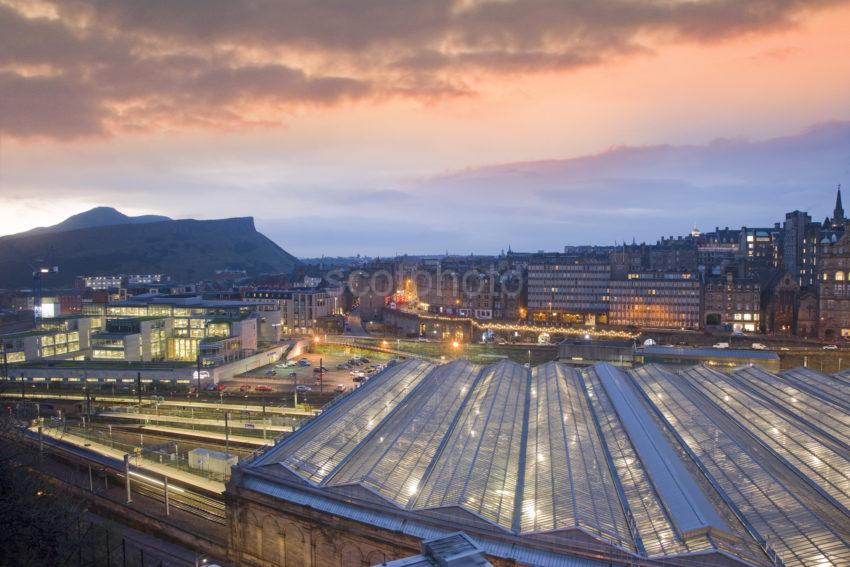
[{"x": 696, "y": 465}]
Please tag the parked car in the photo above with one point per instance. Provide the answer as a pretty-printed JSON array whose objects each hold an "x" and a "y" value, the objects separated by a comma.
[
  {"x": 264, "y": 389},
  {"x": 365, "y": 360},
  {"x": 357, "y": 373},
  {"x": 784, "y": 348},
  {"x": 245, "y": 388},
  {"x": 271, "y": 373},
  {"x": 358, "y": 379},
  {"x": 720, "y": 345},
  {"x": 210, "y": 387},
  {"x": 293, "y": 374},
  {"x": 830, "y": 347},
  {"x": 303, "y": 362},
  {"x": 759, "y": 346},
  {"x": 303, "y": 388},
  {"x": 340, "y": 388},
  {"x": 319, "y": 369}
]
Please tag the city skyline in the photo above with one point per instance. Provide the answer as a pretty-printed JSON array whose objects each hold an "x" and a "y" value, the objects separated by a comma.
[{"x": 378, "y": 140}]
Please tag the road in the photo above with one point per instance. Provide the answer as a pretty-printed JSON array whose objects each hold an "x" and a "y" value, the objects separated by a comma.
[{"x": 354, "y": 326}]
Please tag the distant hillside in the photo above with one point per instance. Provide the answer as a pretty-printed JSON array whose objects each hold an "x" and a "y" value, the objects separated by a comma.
[
  {"x": 99, "y": 216},
  {"x": 185, "y": 249}
]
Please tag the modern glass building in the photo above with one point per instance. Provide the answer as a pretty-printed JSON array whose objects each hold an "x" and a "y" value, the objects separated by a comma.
[{"x": 560, "y": 466}]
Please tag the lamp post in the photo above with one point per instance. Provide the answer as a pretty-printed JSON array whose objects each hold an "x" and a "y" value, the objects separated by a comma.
[
  {"x": 5, "y": 363},
  {"x": 198, "y": 390}
]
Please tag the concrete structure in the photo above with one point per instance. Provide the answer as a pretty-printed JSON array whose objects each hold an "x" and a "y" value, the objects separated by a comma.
[
  {"x": 656, "y": 301},
  {"x": 556, "y": 466},
  {"x": 212, "y": 462},
  {"x": 568, "y": 290}
]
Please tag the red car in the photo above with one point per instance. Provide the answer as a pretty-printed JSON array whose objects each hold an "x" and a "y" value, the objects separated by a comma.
[{"x": 263, "y": 389}]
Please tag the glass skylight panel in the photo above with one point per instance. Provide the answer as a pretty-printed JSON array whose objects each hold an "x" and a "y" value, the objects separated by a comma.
[
  {"x": 799, "y": 403},
  {"x": 568, "y": 481},
  {"x": 321, "y": 448},
  {"x": 783, "y": 522},
  {"x": 478, "y": 468},
  {"x": 829, "y": 468},
  {"x": 399, "y": 452},
  {"x": 657, "y": 534},
  {"x": 830, "y": 388}
]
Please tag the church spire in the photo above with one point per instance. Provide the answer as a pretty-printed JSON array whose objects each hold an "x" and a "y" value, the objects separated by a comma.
[{"x": 838, "y": 213}]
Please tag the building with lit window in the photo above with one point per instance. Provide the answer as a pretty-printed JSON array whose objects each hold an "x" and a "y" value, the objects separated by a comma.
[
  {"x": 172, "y": 327},
  {"x": 562, "y": 289},
  {"x": 133, "y": 339},
  {"x": 302, "y": 309},
  {"x": 761, "y": 249},
  {"x": 56, "y": 338},
  {"x": 652, "y": 300},
  {"x": 732, "y": 304},
  {"x": 557, "y": 466},
  {"x": 834, "y": 288},
  {"x": 111, "y": 282}
]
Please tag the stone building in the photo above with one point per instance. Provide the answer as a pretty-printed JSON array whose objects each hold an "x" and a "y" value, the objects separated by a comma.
[
  {"x": 787, "y": 308},
  {"x": 732, "y": 304},
  {"x": 834, "y": 288}
]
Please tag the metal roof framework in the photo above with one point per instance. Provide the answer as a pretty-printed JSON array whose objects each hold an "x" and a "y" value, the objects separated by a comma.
[{"x": 645, "y": 463}]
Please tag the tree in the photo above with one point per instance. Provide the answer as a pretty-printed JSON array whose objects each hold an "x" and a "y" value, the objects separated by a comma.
[{"x": 40, "y": 524}]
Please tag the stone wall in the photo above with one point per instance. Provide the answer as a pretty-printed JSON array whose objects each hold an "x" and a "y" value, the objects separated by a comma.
[{"x": 280, "y": 534}]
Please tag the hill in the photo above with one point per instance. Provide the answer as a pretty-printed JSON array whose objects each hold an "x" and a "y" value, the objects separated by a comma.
[
  {"x": 99, "y": 216},
  {"x": 187, "y": 250}
]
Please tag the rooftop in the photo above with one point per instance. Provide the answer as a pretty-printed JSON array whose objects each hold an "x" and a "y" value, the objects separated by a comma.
[{"x": 693, "y": 467}]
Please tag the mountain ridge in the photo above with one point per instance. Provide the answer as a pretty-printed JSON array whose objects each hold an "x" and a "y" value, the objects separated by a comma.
[
  {"x": 97, "y": 216},
  {"x": 187, "y": 250}
]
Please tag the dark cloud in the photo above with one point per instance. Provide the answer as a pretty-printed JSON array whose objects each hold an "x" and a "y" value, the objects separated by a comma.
[{"x": 136, "y": 63}]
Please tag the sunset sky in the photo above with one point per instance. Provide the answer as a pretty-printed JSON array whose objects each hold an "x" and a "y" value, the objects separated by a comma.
[{"x": 422, "y": 126}]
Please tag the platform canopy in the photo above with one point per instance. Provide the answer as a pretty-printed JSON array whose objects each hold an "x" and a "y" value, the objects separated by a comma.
[{"x": 695, "y": 465}]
